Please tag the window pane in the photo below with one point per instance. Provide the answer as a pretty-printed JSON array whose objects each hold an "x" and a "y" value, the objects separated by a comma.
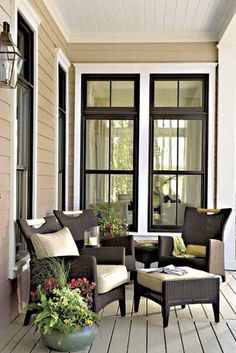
[
  {"x": 98, "y": 93},
  {"x": 122, "y": 144},
  {"x": 122, "y": 192},
  {"x": 97, "y": 144},
  {"x": 164, "y": 199},
  {"x": 190, "y": 93},
  {"x": 165, "y": 93},
  {"x": 61, "y": 142},
  {"x": 189, "y": 191},
  {"x": 96, "y": 189},
  {"x": 122, "y": 94},
  {"x": 190, "y": 145},
  {"x": 165, "y": 145}
]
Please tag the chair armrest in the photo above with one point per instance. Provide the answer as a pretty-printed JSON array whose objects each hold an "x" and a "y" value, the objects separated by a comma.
[
  {"x": 215, "y": 255},
  {"x": 126, "y": 241},
  {"x": 165, "y": 246},
  {"x": 109, "y": 255}
]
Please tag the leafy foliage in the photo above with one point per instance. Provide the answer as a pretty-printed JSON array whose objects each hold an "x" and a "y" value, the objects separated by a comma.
[
  {"x": 42, "y": 270},
  {"x": 61, "y": 305},
  {"x": 109, "y": 220},
  {"x": 64, "y": 310}
]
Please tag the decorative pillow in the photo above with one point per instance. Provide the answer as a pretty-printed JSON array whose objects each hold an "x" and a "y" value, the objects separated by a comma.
[
  {"x": 60, "y": 243},
  {"x": 196, "y": 250}
]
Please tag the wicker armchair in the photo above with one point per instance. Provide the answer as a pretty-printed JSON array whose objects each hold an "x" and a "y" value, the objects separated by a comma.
[
  {"x": 85, "y": 220},
  {"x": 80, "y": 266},
  {"x": 203, "y": 227}
]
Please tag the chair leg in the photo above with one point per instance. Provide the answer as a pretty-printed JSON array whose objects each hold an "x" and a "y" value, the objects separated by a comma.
[
  {"x": 165, "y": 314},
  {"x": 223, "y": 278},
  {"x": 133, "y": 275},
  {"x": 216, "y": 310},
  {"x": 27, "y": 317},
  {"x": 183, "y": 306},
  {"x": 122, "y": 307},
  {"x": 136, "y": 302}
]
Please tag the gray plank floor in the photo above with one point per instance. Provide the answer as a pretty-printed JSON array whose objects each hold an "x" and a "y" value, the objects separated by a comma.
[{"x": 190, "y": 330}]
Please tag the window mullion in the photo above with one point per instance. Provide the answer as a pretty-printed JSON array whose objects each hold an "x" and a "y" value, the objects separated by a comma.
[
  {"x": 109, "y": 157},
  {"x": 177, "y": 174}
]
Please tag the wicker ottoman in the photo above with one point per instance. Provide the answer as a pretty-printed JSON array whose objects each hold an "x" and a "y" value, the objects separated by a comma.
[{"x": 168, "y": 290}]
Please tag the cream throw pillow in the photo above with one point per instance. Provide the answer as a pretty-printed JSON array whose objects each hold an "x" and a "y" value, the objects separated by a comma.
[{"x": 60, "y": 243}]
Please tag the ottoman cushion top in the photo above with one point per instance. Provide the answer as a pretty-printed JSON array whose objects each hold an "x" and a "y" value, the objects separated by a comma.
[{"x": 154, "y": 280}]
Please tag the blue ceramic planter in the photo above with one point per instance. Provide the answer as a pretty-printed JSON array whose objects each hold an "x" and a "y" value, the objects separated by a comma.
[{"x": 72, "y": 342}]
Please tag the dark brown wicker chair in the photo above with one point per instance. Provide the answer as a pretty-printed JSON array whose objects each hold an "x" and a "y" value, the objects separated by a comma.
[
  {"x": 78, "y": 224},
  {"x": 80, "y": 266},
  {"x": 201, "y": 227}
]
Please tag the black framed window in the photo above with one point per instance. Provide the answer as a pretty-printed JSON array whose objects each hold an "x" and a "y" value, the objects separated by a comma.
[
  {"x": 110, "y": 120},
  {"x": 25, "y": 91},
  {"x": 61, "y": 137},
  {"x": 178, "y": 148}
]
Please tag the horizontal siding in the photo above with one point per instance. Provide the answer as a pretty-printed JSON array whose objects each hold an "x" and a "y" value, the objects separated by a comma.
[
  {"x": 8, "y": 310},
  {"x": 142, "y": 52},
  {"x": 49, "y": 38}
]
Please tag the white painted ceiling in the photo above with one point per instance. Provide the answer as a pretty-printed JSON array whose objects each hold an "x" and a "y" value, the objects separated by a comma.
[{"x": 142, "y": 20}]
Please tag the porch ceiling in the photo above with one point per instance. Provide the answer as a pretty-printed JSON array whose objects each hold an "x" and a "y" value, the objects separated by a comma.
[{"x": 142, "y": 20}]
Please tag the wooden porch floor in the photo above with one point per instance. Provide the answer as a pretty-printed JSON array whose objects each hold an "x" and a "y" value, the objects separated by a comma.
[{"x": 190, "y": 330}]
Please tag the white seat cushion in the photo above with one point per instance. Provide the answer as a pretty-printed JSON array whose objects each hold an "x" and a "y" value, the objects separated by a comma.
[
  {"x": 110, "y": 277},
  {"x": 154, "y": 280},
  {"x": 60, "y": 243}
]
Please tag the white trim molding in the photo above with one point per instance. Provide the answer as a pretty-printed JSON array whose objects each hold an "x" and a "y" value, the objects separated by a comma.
[
  {"x": 61, "y": 59},
  {"x": 33, "y": 19},
  {"x": 144, "y": 69},
  {"x": 58, "y": 19}
]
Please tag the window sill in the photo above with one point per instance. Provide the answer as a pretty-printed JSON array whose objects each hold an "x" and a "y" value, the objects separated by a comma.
[{"x": 21, "y": 264}]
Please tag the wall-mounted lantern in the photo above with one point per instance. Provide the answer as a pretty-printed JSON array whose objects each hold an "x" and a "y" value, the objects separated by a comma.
[{"x": 11, "y": 59}]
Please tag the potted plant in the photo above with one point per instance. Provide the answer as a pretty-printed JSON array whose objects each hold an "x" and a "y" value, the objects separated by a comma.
[
  {"x": 109, "y": 220},
  {"x": 63, "y": 314}
]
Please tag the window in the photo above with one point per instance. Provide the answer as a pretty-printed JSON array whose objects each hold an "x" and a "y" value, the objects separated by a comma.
[
  {"x": 178, "y": 148},
  {"x": 61, "y": 137},
  {"x": 25, "y": 89},
  {"x": 110, "y": 142}
]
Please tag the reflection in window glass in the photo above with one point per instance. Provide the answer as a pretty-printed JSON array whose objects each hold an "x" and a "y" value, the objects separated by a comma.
[
  {"x": 164, "y": 199},
  {"x": 165, "y": 145},
  {"x": 189, "y": 191},
  {"x": 97, "y": 144},
  {"x": 98, "y": 93},
  {"x": 96, "y": 189},
  {"x": 190, "y": 145},
  {"x": 122, "y": 192},
  {"x": 122, "y": 144},
  {"x": 122, "y": 94},
  {"x": 165, "y": 93},
  {"x": 190, "y": 93}
]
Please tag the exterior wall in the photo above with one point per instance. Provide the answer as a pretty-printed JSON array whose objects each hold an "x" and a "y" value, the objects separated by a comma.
[
  {"x": 14, "y": 293},
  {"x": 8, "y": 297},
  {"x": 50, "y": 38},
  {"x": 134, "y": 53}
]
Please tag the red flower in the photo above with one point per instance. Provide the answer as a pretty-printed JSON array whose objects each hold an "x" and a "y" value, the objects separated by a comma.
[{"x": 33, "y": 294}]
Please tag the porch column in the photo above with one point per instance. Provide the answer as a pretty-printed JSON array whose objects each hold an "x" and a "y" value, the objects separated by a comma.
[{"x": 226, "y": 145}]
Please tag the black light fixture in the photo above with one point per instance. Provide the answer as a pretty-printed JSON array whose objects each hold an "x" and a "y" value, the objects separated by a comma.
[{"x": 11, "y": 59}]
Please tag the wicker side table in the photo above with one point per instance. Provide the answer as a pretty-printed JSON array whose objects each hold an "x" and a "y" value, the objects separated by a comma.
[{"x": 146, "y": 254}]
